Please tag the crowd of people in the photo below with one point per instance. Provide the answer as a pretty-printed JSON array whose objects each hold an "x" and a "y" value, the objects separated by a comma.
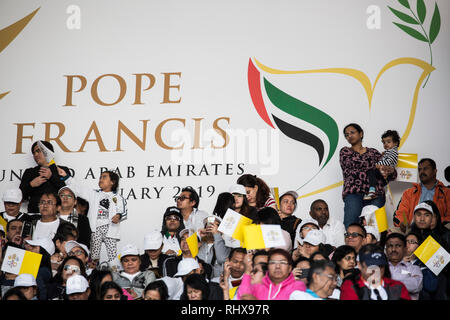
[{"x": 322, "y": 258}]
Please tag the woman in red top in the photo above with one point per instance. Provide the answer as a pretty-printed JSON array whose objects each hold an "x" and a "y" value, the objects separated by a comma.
[{"x": 355, "y": 161}]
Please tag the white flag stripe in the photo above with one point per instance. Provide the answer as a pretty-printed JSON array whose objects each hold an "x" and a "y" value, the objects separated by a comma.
[
  {"x": 438, "y": 261},
  {"x": 272, "y": 235}
]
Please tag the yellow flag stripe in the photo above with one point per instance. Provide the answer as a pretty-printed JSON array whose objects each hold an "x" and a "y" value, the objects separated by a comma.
[
  {"x": 381, "y": 217},
  {"x": 239, "y": 231},
  {"x": 254, "y": 237},
  {"x": 427, "y": 249},
  {"x": 233, "y": 292},
  {"x": 3, "y": 223},
  {"x": 30, "y": 263},
  {"x": 192, "y": 242},
  {"x": 407, "y": 160}
]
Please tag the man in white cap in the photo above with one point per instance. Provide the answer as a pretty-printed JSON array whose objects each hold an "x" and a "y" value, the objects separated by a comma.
[
  {"x": 153, "y": 258},
  {"x": 311, "y": 242},
  {"x": 27, "y": 284},
  {"x": 170, "y": 266},
  {"x": 12, "y": 200},
  {"x": 77, "y": 288},
  {"x": 67, "y": 212},
  {"x": 131, "y": 278},
  {"x": 333, "y": 229}
]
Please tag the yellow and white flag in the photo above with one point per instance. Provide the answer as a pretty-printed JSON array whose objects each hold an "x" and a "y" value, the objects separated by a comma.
[
  {"x": 3, "y": 223},
  {"x": 407, "y": 167},
  {"x": 18, "y": 261},
  {"x": 431, "y": 253},
  {"x": 233, "y": 224},
  {"x": 381, "y": 219},
  {"x": 263, "y": 236}
]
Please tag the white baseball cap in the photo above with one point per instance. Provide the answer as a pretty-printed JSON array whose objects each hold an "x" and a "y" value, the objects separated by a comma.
[
  {"x": 25, "y": 280},
  {"x": 129, "y": 250},
  {"x": 153, "y": 240},
  {"x": 45, "y": 243},
  {"x": 185, "y": 266},
  {"x": 237, "y": 188},
  {"x": 212, "y": 216},
  {"x": 189, "y": 231},
  {"x": 315, "y": 237},
  {"x": 72, "y": 244},
  {"x": 373, "y": 230},
  {"x": 307, "y": 221},
  {"x": 70, "y": 188},
  {"x": 12, "y": 195},
  {"x": 76, "y": 284},
  {"x": 425, "y": 206}
]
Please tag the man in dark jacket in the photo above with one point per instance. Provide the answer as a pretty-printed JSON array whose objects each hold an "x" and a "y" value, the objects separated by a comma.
[{"x": 40, "y": 179}]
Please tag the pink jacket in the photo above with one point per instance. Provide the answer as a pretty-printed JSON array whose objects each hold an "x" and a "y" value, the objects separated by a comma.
[{"x": 267, "y": 290}]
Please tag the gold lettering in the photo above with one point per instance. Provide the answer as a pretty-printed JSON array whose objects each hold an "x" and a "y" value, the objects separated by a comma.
[
  {"x": 94, "y": 89},
  {"x": 20, "y": 136},
  {"x": 141, "y": 143},
  {"x": 197, "y": 133},
  {"x": 137, "y": 96},
  {"x": 69, "y": 90},
  {"x": 221, "y": 132},
  {"x": 168, "y": 86},
  {"x": 158, "y": 136},
  {"x": 57, "y": 139},
  {"x": 98, "y": 138}
]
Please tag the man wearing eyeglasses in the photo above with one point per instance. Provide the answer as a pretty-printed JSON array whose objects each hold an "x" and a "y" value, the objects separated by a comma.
[
  {"x": 406, "y": 272},
  {"x": 355, "y": 236},
  {"x": 49, "y": 222},
  {"x": 67, "y": 212},
  {"x": 188, "y": 202}
]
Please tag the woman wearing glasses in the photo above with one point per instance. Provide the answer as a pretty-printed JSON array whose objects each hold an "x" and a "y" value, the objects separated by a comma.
[
  {"x": 279, "y": 281},
  {"x": 57, "y": 287},
  {"x": 344, "y": 258}
]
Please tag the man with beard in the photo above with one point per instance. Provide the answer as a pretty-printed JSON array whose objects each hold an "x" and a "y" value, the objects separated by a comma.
[
  {"x": 334, "y": 230},
  {"x": 429, "y": 189}
]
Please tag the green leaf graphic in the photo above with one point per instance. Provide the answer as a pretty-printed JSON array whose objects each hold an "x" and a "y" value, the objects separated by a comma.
[
  {"x": 435, "y": 24},
  {"x": 403, "y": 16},
  {"x": 421, "y": 10},
  {"x": 404, "y": 3},
  {"x": 412, "y": 32}
]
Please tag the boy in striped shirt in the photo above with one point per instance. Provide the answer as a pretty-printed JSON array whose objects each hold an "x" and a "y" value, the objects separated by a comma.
[{"x": 391, "y": 141}]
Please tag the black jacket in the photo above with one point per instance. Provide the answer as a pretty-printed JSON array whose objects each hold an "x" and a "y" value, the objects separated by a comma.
[{"x": 32, "y": 195}]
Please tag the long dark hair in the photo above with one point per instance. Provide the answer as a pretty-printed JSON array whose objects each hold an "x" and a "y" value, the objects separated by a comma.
[
  {"x": 197, "y": 282},
  {"x": 225, "y": 201},
  {"x": 250, "y": 181},
  {"x": 109, "y": 285},
  {"x": 340, "y": 254}
]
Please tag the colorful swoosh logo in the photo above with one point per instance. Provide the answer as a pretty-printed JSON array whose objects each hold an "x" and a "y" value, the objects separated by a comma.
[{"x": 297, "y": 109}]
